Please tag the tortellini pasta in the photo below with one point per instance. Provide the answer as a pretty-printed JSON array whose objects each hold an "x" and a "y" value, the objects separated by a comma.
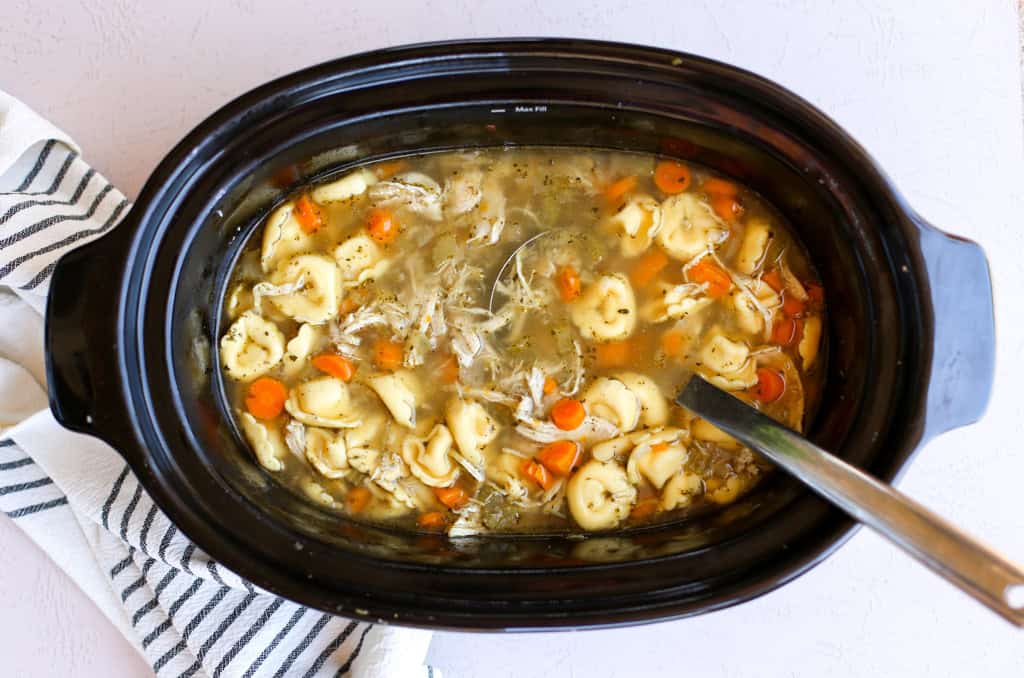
[
  {"x": 606, "y": 310},
  {"x": 680, "y": 490},
  {"x": 614, "y": 401},
  {"x": 299, "y": 348},
  {"x": 266, "y": 441},
  {"x": 283, "y": 237},
  {"x": 413, "y": 191},
  {"x": 600, "y": 495},
  {"x": 326, "y": 452},
  {"x": 754, "y": 246},
  {"x": 727, "y": 363},
  {"x": 316, "y": 301},
  {"x": 463, "y": 192},
  {"x": 656, "y": 461},
  {"x": 675, "y": 302},
  {"x": 429, "y": 459},
  {"x": 749, "y": 317},
  {"x": 653, "y": 405},
  {"x": 810, "y": 341},
  {"x": 636, "y": 223},
  {"x": 362, "y": 443},
  {"x": 688, "y": 227},
  {"x": 251, "y": 347},
  {"x": 322, "y": 401},
  {"x": 360, "y": 259},
  {"x": 471, "y": 427},
  {"x": 349, "y": 186},
  {"x": 399, "y": 391}
]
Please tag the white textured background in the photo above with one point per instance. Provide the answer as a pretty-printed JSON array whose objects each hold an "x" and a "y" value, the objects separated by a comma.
[{"x": 932, "y": 88}]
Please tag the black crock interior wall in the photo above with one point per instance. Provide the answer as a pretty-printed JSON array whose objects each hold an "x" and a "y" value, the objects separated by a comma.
[{"x": 203, "y": 277}]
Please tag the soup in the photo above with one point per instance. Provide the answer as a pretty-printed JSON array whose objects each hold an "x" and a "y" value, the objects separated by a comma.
[{"x": 491, "y": 341}]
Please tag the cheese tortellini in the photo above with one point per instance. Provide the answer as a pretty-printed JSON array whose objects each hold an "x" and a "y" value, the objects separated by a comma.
[
  {"x": 283, "y": 237},
  {"x": 318, "y": 292},
  {"x": 251, "y": 347},
  {"x": 360, "y": 259},
  {"x": 653, "y": 404},
  {"x": 614, "y": 401},
  {"x": 688, "y": 227},
  {"x": 347, "y": 187},
  {"x": 322, "y": 401},
  {"x": 399, "y": 391},
  {"x": 727, "y": 363},
  {"x": 606, "y": 310},
  {"x": 472, "y": 428},
  {"x": 429, "y": 459},
  {"x": 600, "y": 495},
  {"x": 266, "y": 441},
  {"x": 636, "y": 223},
  {"x": 326, "y": 452}
]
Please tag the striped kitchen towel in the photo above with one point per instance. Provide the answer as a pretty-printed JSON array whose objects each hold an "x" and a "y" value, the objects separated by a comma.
[{"x": 78, "y": 500}]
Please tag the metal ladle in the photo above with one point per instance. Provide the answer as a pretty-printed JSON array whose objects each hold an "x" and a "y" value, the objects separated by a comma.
[{"x": 977, "y": 570}]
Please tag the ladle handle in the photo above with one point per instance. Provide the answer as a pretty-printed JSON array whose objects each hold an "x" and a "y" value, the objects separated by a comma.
[{"x": 973, "y": 567}]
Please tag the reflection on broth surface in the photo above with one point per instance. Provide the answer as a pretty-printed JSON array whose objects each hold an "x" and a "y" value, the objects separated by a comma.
[{"x": 370, "y": 369}]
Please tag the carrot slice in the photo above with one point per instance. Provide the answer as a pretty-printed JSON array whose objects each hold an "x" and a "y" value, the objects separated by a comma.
[
  {"x": 787, "y": 331},
  {"x": 773, "y": 279},
  {"x": 382, "y": 226},
  {"x": 727, "y": 209},
  {"x": 308, "y": 214},
  {"x": 644, "y": 509},
  {"x": 449, "y": 370},
  {"x": 647, "y": 267},
  {"x": 335, "y": 365},
  {"x": 567, "y": 279},
  {"x": 672, "y": 343},
  {"x": 537, "y": 473},
  {"x": 617, "y": 189},
  {"x": 715, "y": 186},
  {"x": 358, "y": 499},
  {"x": 560, "y": 457},
  {"x": 568, "y": 414},
  {"x": 550, "y": 385},
  {"x": 792, "y": 306},
  {"x": 453, "y": 497},
  {"x": 770, "y": 385},
  {"x": 612, "y": 353},
  {"x": 708, "y": 272},
  {"x": 347, "y": 305},
  {"x": 265, "y": 398},
  {"x": 672, "y": 177},
  {"x": 387, "y": 354},
  {"x": 434, "y": 520},
  {"x": 389, "y": 168}
]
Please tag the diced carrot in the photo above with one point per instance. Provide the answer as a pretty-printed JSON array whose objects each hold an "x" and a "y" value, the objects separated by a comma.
[
  {"x": 567, "y": 279},
  {"x": 714, "y": 186},
  {"x": 449, "y": 370},
  {"x": 347, "y": 305},
  {"x": 792, "y": 306},
  {"x": 560, "y": 457},
  {"x": 644, "y": 509},
  {"x": 773, "y": 279},
  {"x": 550, "y": 385},
  {"x": 453, "y": 497},
  {"x": 335, "y": 365},
  {"x": 387, "y": 354},
  {"x": 815, "y": 292},
  {"x": 659, "y": 447},
  {"x": 537, "y": 473},
  {"x": 389, "y": 168},
  {"x": 648, "y": 267},
  {"x": 671, "y": 177},
  {"x": 568, "y": 414},
  {"x": 787, "y": 331},
  {"x": 382, "y": 226},
  {"x": 613, "y": 353},
  {"x": 672, "y": 343},
  {"x": 265, "y": 398},
  {"x": 727, "y": 209},
  {"x": 308, "y": 214},
  {"x": 770, "y": 385},
  {"x": 357, "y": 499},
  {"x": 708, "y": 272},
  {"x": 617, "y": 189},
  {"x": 434, "y": 520}
]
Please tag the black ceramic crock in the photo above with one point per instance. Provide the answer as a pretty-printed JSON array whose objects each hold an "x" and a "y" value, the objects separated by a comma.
[{"x": 133, "y": 319}]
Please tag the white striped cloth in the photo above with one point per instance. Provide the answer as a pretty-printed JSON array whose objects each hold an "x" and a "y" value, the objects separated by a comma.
[{"x": 78, "y": 500}]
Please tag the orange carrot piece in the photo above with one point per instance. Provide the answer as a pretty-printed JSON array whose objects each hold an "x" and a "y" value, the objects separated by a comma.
[
  {"x": 648, "y": 267},
  {"x": 773, "y": 279},
  {"x": 567, "y": 279},
  {"x": 382, "y": 226},
  {"x": 787, "y": 331},
  {"x": 537, "y": 473},
  {"x": 708, "y": 272},
  {"x": 672, "y": 343},
  {"x": 815, "y": 292},
  {"x": 727, "y": 209},
  {"x": 357, "y": 499},
  {"x": 387, "y": 354},
  {"x": 560, "y": 457},
  {"x": 568, "y": 414},
  {"x": 308, "y": 214},
  {"x": 613, "y": 353},
  {"x": 335, "y": 365},
  {"x": 792, "y": 306},
  {"x": 644, "y": 509},
  {"x": 672, "y": 177},
  {"x": 347, "y": 305},
  {"x": 265, "y": 398},
  {"x": 449, "y": 370},
  {"x": 617, "y": 189},
  {"x": 770, "y": 385},
  {"x": 550, "y": 385},
  {"x": 389, "y": 168},
  {"x": 434, "y": 520},
  {"x": 453, "y": 497},
  {"x": 714, "y": 186}
]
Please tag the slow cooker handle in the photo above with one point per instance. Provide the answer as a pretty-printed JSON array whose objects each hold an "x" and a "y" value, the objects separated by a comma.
[
  {"x": 82, "y": 352},
  {"x": 963, "y": 359}
]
